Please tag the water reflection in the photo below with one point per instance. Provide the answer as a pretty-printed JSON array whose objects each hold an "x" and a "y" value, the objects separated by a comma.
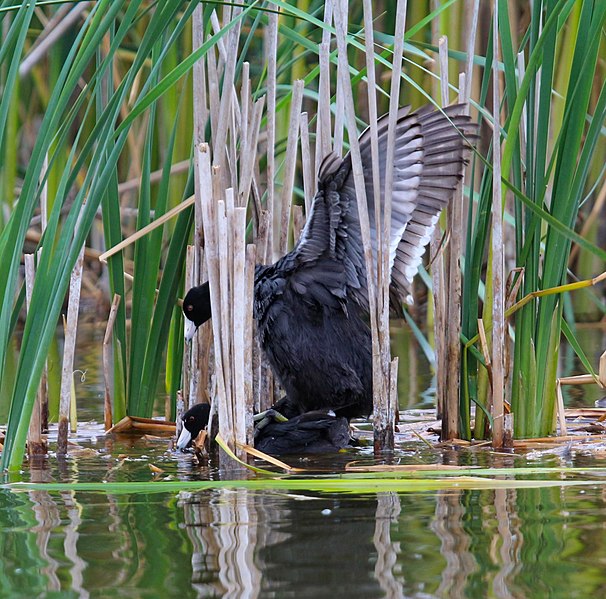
[
  {"x": 223, "y": 532},
  {"x": 247, "y": 543},
  {"x": 387, "y": 570},
  {"x": 291, "y": 545}
]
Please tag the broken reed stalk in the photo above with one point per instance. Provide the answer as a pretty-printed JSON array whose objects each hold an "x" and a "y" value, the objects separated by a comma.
[
  {"x": 290, "y": 163},
  {"x": 251, "y": 258},
  {"x": 189, "y": 365},
  {"x": 36, "y": 443},
  {"x": 438, "y": 275},
  {"x": 384, "y": 409},
  {"x": 340, "y": 16},
  {"x": 220, "y": 135},
  {"x": 498, "y": 259},
  {"x": 69, "y": 347},
  {"x": 200, "y": 102},
  {"x": 309, "y": 187},
  {"x": 145, "y": 230},
  {"x": 444, "y": 329},
  {"x": 323, "y": 118},
  {"x": 271, "y": 43},
  {"x": 241, "y": 308},
  {"x": 231, "y": 284},
  {"x": 107, "y": 361},
  {"x": 193, "y": 378},
  {"x": 454, "y": 215},
  {"x": 43, "y": 393},
  {"x": 383, "y": 416},
  {"x": 63, "y": 20}
]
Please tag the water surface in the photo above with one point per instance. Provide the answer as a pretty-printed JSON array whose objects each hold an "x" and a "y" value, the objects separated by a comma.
[{"x": 230, "y": 541}]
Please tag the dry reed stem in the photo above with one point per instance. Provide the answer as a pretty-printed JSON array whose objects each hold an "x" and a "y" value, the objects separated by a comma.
[
  {"x": 384, "y": 410},
  {"x": 200, "y": 96},
  {"x": 226, "y": 417},
  {"x": 141, "y": 425},
  {"x": 465, "y": 91},
  {"x": 456, "y": 229},
  {"x": 439, "y": 280},
  {"x": 69, "y": 347},
  {"x": 560, "y": 408},
  {"x": 154, "y": 177},
  {"x": 521, "y": 71},
  {"x": 323, "y": 117},
  {"x": 290, "y": 164},
  {"x": 374, "y": 148},
  {"x": 225, "y": 106},
  {"x": 498, "y": 260},
  {"x": 373, "y": 114},
  {"x": 249, "y": 342},
  {"x": 147, "y": 229},
  {"x": 213, "y": 89},
  {"x": 268, "y": 458},
  {"x": 581, "y": 379},
  {"x": 241, "y": 308},
  {"x": 36, "y": 443},
  {"x": 107, "y": 361},
  {"x": 208, "y": 207},
  {"x": 379, "y": 383},
  {"x": 191, "y": 351},
  {"x": 271, "y": 57},
  {"x": 298, "y": 222},
  {"x": 309, "y": 188},
  {"x": 245, "y": 104},
  {"x": 443, "y": 61},
  {"x": 250, "y": 150},
  {"x": 44, "y": 196},
  {"x": 54, "y": 31}
]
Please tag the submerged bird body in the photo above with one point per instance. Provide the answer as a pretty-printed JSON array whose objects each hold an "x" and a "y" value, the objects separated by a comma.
[
  {"x": 311, "y": 305},
  {"x": 313, "y": 432},
  {"x": 319, "y": 431}
]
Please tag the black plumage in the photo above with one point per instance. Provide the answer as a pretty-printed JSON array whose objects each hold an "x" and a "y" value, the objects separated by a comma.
[
  {"x": 313, "y": 432},
  {"x": 311, "y": 305}
]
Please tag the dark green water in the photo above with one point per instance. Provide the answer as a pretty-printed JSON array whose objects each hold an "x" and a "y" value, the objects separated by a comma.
[{"x": 243, "y": 542}]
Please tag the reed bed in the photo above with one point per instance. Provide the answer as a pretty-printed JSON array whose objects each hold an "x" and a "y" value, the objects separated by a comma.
[{"x": 104, "y": 112}]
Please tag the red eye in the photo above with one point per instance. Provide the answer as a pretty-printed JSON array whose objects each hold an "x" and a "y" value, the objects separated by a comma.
[{"x": 189, "y": 308}]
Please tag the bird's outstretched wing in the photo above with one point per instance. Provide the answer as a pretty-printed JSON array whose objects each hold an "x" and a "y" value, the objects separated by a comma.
[{"x": 430, "y": 149}]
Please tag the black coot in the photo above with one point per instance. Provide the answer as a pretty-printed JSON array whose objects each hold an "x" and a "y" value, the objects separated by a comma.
[
  {"x": 313, "y": 432},
  {"x": 194, "y": 420},
  {"x": 311, "y": 305}
]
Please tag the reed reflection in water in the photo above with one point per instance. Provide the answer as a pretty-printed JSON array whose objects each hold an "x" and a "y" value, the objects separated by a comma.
[{"x": 251, "y": 543}]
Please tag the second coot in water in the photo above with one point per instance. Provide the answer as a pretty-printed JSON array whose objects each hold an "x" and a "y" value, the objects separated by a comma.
[{"x": 321, "y": 431}]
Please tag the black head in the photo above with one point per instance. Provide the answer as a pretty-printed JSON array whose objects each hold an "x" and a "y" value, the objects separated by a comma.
[
  {"x": 196, "y": 308},
  {"x": 194, "y": 420}
]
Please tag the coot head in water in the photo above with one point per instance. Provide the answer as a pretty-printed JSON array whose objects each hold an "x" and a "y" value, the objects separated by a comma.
[
  {"x": 311, "y": 305},
  {"x": 194, "y": 420},
  {"x": 314, "y": 432}
]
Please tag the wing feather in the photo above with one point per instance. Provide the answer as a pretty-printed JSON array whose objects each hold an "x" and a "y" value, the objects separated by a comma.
[{"x": 430, "y": 149}]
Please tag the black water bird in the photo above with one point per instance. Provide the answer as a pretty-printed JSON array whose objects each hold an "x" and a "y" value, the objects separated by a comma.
[
  {"x": 194, "y": 420},
  {"x": 311, "y": 305},
  {"x": 320, "y": 431}
]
